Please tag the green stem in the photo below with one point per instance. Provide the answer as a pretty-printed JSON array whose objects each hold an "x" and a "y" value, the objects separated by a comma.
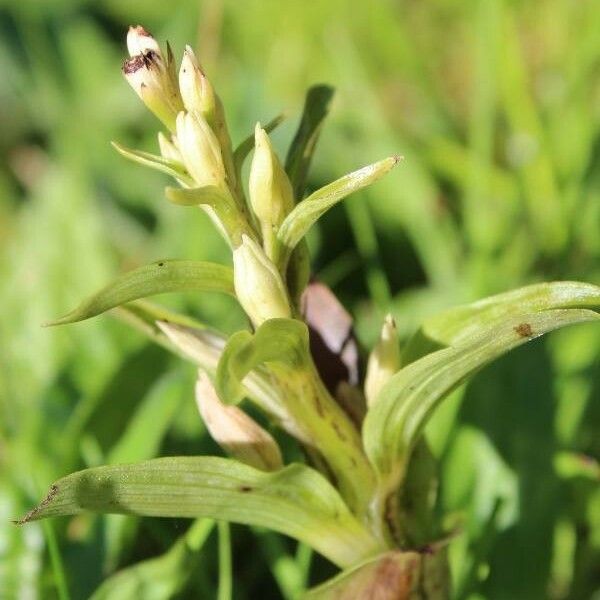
[{"x": 225, "y": 579}]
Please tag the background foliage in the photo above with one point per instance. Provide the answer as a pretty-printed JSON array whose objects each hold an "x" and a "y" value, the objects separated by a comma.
[{"x": 496, "y": 107}]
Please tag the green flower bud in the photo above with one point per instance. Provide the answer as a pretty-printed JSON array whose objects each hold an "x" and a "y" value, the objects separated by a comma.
[
  {"x": 200, "y": 150},
  {"x": 235, "y": 431},
  {"x": 270, "y": 190},
  {"x": 384, "y": 360},
  {"x": 152, "y": 76},
  {"x": 258, "y": 285}
]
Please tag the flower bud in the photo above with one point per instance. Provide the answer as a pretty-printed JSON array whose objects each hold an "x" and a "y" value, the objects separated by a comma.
[
  {"x": 270, "y": 190},
  {"x": 152, "y": 76},
  {"x": 196, "y": 90},
  {"x": 168, "y": 149},
  {"x": 258, "y": 285},
  {"x": 140, "y": 41},
  {"x": 235, "y": 431},
  {"x": 200, "y": 150},
  {"x": 384, "y": 360}
]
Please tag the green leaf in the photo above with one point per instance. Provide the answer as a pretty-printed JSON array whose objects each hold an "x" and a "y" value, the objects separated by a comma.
[
  {"x": 296, "y": 500},
  {"x": 453, "y": 326},
  {"x": 406, "y": 402},
  {"x": 156, "y": 278},
  {"x": 305, "y": 215},
  {"x": 297, "y": 163},
  {"x": 247, "y": 145},
  {"x": 283, "y": 341},
  {"x": 159, "y": 578},
  {"x": 281, "y": 347},
  {"x": 165, "y": 165}
]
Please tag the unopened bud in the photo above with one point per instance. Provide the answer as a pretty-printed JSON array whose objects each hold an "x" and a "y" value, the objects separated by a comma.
[
  {"x": 196, "y": 90},
  {"x": 235, "y": 431},
  {"x": 384, "y": 360},
  {"x": 271, "y": 195},
  {"x": 167, "y": 147},
  {"x": 200, "y": 150},
  {"x": 152, "y": 76},
  {"x": 258, "y": 285},
  {"x": 140, "y": 41}
]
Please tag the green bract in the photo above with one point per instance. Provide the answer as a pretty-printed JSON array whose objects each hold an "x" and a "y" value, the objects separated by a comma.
[{"x": 365, "y": 498}]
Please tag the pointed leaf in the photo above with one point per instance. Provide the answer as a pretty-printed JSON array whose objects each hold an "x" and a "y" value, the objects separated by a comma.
[
  {"x": 283, "y": 341},
  {"x": 170, "y": 167},
  {"x": 305, "y": 215},
  {"x": 296, "y": 500},
  {"x": 247, "y": 145},
  {"x": 156, "y": 278},
  {"x": 458, "y": 324},
  {"x": 407, "y": 401},
  {"x": 316, "y": 106}
]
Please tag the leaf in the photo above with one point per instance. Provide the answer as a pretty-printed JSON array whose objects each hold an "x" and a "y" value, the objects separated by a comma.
[
  {"x": 281, "y": 345},
  {"x": 296, "y": 500},
  {"x": 305, "y": 215},
  {"x": 283, "y": 341},
  {"x": 406, "y": 402},
  {"x": 165, "y": 165},
  {"x": 204, "y": 348},
  {"x": 156, "y": 278},
  {"x": 297, "y": 163},
  {"x": 390, "y": 576},
  {"x": 247, "y": 145},
  {"x": 451, "y": 327},
  {"x": 162, "y": 577}
]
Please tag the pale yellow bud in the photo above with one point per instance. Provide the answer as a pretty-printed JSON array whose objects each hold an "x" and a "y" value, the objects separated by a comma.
[
  {"x": 384, "y": 360},
  {"x": 168, "y": 149},
  {"x": 200, "y": 150},
  {"x": 140, "y": 41},
  {"x": 196, "y": 90},
  {"x": 270, "y": 190},
  {"x": 258, "y": 285},
  {"x": 152, "y": 77},
  {"x": 235, "y": 431}
]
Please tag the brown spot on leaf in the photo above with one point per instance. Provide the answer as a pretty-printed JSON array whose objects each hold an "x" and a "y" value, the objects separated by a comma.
[
  {"x": 245, "y": 489},
  {"x": 524, "y": 330}
]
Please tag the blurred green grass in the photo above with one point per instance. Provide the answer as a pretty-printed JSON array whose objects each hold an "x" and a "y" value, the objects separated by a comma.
[{"x": 495, "y": 106}]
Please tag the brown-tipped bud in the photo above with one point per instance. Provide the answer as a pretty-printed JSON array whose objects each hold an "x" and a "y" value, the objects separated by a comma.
[
  {"x": 140, "y": 41},
  {"x": 200, "y": 150},
  {"x": 152, "y": 76},
  {"x": 238, "y": 434},
  {"x": 384, "y": 360},
  {"x": 271, "y": 195},
  {"x": 258, "y": 285}
]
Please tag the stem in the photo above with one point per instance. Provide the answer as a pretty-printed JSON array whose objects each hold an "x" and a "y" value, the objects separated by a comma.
[
  {"x": 225, "y": 581},
  {"x": 328, "y": 429}
]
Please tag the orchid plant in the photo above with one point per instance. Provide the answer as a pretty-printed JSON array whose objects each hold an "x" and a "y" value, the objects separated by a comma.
[{"x": 364, "y": 499}]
